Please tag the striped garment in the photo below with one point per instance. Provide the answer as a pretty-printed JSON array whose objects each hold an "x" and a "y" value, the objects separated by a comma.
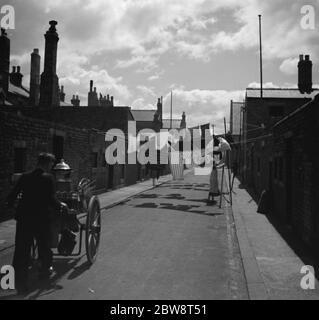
[{"x": 177, "y": 169}]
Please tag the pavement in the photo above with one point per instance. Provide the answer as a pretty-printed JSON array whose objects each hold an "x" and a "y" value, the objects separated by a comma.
[
  {"x": 107, "y": 200},
  {"x": 272, "y": 267},
  {"x": 168, "y": 243}
]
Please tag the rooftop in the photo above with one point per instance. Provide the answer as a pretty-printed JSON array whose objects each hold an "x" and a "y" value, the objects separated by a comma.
[
  {"x": 144, "y": 115},
  {"x": 283, "y": 93},
  {"x": 176, "y": 123},
  {"x": 20, "y": 96}
]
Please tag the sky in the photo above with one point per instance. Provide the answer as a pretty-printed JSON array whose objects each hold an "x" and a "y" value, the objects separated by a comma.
[{"x": 205, "y": 51}]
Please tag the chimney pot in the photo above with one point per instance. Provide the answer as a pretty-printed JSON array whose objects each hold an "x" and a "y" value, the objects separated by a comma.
[
  {"x": 53, "y": 24},
  {"x": 301, "y": 57},
  {"x": 18, "y": 69},
  {"x": 307, "y": 57},
  {"x": 36, "y": 51},
  {"x": 14, "y": 69}
]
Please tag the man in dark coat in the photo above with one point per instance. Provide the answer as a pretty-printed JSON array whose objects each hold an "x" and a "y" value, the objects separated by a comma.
[{"x": 37, "y": 190}]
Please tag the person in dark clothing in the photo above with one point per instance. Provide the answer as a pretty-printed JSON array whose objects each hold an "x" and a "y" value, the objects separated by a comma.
[
  {"x": 37, "y": 198},
  {"x": 155, "y": 169},
  {"x": 235, "y": 172}
]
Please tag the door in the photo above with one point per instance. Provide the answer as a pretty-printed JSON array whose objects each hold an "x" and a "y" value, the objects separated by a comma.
[
  {"x": 288, "y": 184},
  {"x": 111, "y": 176}
]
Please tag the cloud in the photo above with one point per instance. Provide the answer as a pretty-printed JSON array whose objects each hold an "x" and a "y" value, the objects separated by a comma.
[
  {"x": 142, "y": 104},
  {"x": 75, "y": 74},
  {"x": 155, "y": 76},
  {"x": 289, "y": 66},
  {"x": 265, "y": 85},
  {"x": 147, "y": 91},
  {"x": 202, "y": 106},
  {"x": 160, "y": 37},
  {"x": 282, "y": 34}
]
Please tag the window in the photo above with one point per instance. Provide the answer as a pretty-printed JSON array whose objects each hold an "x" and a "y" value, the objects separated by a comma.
[
  {"x": 20, "y": 160},
  {"x": 122, "y": 171},
  {"x": 276, "y": 111}
]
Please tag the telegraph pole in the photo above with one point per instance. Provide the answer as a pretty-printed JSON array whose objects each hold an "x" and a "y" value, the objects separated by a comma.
[
  {"x": 261, "y": 58},
  {"x": 171, "y": 124}
]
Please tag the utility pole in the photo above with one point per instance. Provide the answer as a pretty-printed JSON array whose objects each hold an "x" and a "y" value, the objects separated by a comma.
[
  {"x": 171, "y": 124},
  {"x": 261, "y": 58},
  {"x": 231, "y": 116}
]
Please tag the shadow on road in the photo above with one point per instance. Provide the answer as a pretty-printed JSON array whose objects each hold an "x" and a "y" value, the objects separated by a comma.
[
  {"x": 62, "y": 266},
  {"x": 178, "y": 207}
]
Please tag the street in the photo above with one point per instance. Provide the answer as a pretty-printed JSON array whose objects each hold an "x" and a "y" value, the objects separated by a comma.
[{"x": 165, "y": 243}]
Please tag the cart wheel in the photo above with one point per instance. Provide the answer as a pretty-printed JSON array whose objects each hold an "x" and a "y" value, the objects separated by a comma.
[{"x": 93, "y": 229}]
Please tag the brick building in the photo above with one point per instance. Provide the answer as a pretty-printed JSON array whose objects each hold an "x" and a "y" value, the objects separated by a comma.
[
  {"x": 38, "y": 119},
  {"x": 258, "y": 118},
  {"x": 278, "y": 153},
  {"x": 22, "y": 138},
  {"x": 295, "y": 183}
]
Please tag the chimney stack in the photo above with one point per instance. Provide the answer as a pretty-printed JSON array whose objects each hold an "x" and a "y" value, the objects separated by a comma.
[
  {"x": 160, "y": 109},
  {"x": 16, "y": 76},
  {"x": 183, "y": 122},
  {"x": 75, "y": 101},
  {"x": 62, "y": 94},
  {"x": 4, "y": 60},
  {"x": 93, "y": 100},
  {"x": 305, "y": 74},
  {"x": 49, "y": 88},
  {"x": 35, "y": 78}
]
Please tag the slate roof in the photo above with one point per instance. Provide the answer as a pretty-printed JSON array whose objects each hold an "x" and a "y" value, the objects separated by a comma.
[{"x": 143, "y": 115}]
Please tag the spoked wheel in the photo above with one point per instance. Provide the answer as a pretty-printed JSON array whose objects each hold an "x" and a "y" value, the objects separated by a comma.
[{"x": 93, "y": 229}]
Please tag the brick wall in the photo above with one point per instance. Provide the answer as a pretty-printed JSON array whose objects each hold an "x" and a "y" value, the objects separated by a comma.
[
  {"x": 34, "y": 136},
  {"x": 289, "y": 168},
  {"x": 300, "y": 131}
]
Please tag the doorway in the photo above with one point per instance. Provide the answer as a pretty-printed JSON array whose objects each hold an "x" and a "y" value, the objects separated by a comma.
[
  {"x": 111, "y": 176},
  {"x": 288, "y": 179}
]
